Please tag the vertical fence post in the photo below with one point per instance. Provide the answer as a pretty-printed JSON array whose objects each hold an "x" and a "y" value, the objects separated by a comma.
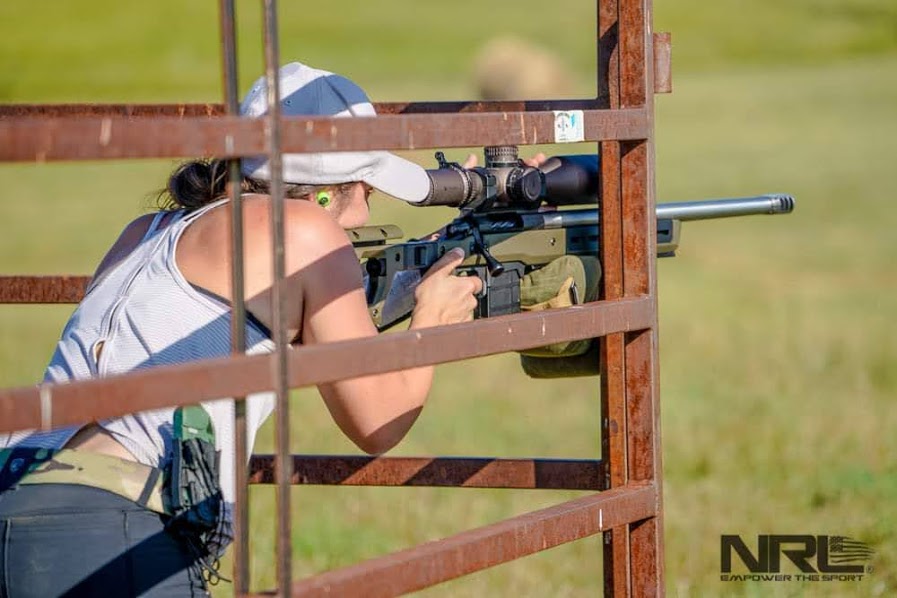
[
  {"x": 238, "y": 310},
  {"x": 633, "y": 556},
  {"x": 613, "y": 392},
  {"x": 282, "y": 424},
  {"x": 639, "y": 240}
]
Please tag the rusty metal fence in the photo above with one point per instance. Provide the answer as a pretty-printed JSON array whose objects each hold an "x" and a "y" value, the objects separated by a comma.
[{"x": 625, "y": 500}]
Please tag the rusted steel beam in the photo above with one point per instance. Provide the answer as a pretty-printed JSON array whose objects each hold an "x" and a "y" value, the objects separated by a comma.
[
  {"x": 10, "y": 111},
  {"x": 608, "y": 55},
  {"x": 468, "y": 472},
  {"x": 636, "y": 221},
  {"x": 634, "y": 39},
  {"x": 642, "y": 409},
  {"x": 192, "y": 110},
  {"x": 645, "y": 542},
  {"x": 615, "y": 544},
  {"x": 283, "y": 463},
  {"x": 435, "y": 562},
  {"x": 42, "y": 289},
  {"x": 55, "y": 405},
  {"x": 231, "y": 106},
  {"x": 613, "y": 416},
  {"x": 642, "y": 399},
  {"x": 612, "y": 382},
  {"x": 92, "y": 138}
]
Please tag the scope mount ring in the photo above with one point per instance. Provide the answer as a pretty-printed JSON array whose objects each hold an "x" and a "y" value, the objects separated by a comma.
[{"x": 465, "y": 181}]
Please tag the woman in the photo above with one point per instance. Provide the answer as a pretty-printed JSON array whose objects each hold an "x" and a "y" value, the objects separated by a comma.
[{"x": 162, "y": 296}]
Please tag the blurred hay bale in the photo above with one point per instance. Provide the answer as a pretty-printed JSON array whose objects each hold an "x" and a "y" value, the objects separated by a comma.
[{"x": 511, "y": 68}]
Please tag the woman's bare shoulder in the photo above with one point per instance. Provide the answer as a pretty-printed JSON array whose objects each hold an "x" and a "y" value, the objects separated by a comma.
[
  {"x": 129, "y": 238},
  {"x": 304, "y": 218}
]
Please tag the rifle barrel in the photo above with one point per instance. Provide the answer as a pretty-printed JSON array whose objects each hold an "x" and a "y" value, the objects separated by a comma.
[
  {"x": 776, "y": 203},
  {"x": 683, "y": 210}
]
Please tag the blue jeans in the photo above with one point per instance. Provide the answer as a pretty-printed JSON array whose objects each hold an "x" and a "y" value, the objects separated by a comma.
[{"x": 71, "y": 540}]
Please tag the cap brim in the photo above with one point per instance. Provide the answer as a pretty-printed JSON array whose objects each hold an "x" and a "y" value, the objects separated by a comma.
[{"x": 400, "y": 178}]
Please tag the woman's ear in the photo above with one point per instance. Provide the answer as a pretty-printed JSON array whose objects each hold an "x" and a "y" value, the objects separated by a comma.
[{"x": 310, "y": 196}]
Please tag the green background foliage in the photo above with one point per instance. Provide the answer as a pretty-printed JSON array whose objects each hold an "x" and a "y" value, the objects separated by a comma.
[{"x": 778, "y": 347}]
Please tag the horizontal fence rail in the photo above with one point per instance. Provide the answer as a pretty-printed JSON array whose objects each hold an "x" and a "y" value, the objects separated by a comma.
[
  {"x": 192, "y": 110},
  {"x": 468, "y": 472},
  {"x": 43, "y": 289},
  {"x": 53, "y": 405},
  {"x": 435, "y": 562},
  {"x": 93, "y": 138}
]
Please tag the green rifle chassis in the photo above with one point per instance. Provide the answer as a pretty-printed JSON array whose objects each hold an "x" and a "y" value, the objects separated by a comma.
[{"x": 503, "y": 245}]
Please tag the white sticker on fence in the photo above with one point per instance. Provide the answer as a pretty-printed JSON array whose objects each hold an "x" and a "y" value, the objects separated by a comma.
[{"x": 569, "y": 126}]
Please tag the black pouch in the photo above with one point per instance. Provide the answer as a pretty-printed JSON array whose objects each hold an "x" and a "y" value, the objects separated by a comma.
[{"x": 191, "y": 486}]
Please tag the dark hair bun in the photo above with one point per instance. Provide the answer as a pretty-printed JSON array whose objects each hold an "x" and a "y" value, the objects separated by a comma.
[{"x": 195, "y": 184}]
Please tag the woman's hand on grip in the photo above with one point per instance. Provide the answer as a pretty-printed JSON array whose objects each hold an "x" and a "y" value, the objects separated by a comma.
[{"x": 443, "y": 298}]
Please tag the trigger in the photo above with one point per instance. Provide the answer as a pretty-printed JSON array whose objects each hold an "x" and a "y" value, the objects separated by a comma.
[{"x": 472, "y": 272}]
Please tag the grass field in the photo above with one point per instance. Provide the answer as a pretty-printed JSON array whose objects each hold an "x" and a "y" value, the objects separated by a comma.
[{"x": 778, "y": 338}]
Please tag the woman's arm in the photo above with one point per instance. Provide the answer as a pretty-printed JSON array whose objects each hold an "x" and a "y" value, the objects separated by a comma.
[{"x": 375, "y": 412}]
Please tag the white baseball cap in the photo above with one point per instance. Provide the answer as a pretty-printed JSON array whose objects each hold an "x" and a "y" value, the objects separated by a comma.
[{"x": 306, "y": 91}]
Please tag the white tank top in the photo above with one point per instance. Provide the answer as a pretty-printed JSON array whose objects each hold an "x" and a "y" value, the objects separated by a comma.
[{"x": 144, "y": 313}]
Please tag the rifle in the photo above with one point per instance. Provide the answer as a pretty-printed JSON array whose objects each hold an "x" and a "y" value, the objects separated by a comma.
[{"x": 504, "y": 233}]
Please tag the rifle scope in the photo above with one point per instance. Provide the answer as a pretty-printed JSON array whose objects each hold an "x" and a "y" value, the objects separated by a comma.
[{"x": 506, "y": 182}]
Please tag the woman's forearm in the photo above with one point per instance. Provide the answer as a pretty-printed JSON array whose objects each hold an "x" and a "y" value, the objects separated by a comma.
[{"x": 376, "y": 412}]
